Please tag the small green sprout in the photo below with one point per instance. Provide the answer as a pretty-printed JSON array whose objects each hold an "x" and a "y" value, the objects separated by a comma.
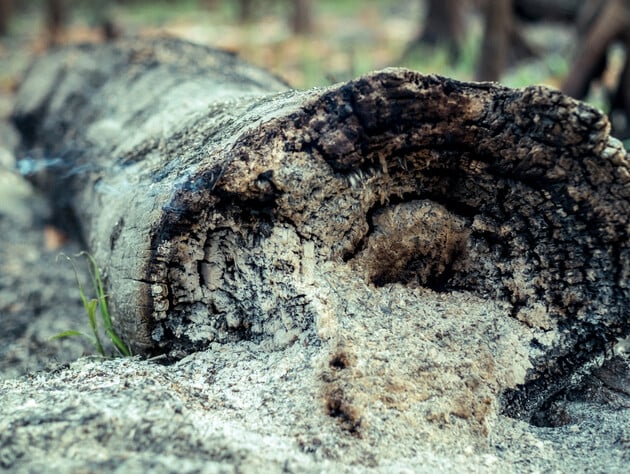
[{"x": 90, "y": 306}]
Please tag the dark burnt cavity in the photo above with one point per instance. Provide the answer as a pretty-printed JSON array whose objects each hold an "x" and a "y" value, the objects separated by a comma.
[{"x": 416, "y": 242}]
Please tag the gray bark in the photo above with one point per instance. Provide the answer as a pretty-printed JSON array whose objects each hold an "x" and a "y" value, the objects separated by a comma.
[{"x": 225, "y": 207}]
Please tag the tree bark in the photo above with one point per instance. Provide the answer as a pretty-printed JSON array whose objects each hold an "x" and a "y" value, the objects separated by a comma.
[{"x": 224, "y": 206}]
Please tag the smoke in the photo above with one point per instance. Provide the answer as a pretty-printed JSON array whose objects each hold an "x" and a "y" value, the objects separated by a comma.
[{"x": 30, "y": 167}]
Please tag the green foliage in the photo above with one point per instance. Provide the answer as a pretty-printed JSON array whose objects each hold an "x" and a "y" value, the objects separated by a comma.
[{"x": 91, "y": 306}]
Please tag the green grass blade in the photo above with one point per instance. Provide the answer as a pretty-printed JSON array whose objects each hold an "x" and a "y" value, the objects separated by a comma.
[
  {"x": 91, "y": 306},
  {"x": 91, "y": 312},
  {"x": 90, "y": 309},
  {"x": 120, "y": 345},
  {"x": 84, "y": 299},
  {"x": 97, "y": 282},
  {"x": 73, "y": 333},
  {"x": 100, "y": 291},
  {"x": 70, "y": 333}
]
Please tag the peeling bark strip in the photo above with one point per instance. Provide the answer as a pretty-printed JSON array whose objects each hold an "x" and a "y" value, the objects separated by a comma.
[{"x": 224, "y": 206}]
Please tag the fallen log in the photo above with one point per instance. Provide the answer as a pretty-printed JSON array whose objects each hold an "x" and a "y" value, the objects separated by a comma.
[{"x": 440, "y": 240}]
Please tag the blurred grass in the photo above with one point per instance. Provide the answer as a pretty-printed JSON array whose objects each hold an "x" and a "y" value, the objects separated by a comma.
[{"x": 350, "y": 38}]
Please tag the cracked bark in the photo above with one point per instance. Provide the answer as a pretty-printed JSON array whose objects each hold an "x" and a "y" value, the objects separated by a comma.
[{"x": 224, "y": 206}]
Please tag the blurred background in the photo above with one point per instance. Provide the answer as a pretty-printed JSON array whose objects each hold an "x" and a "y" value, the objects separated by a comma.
[{"x": 579, "y": 46}]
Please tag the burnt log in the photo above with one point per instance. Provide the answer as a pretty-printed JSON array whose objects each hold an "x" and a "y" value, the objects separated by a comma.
[{"x": 395, "y": 212}]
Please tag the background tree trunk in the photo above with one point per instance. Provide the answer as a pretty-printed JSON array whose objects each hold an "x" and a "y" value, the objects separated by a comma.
[
  {"x": 5, "y": 15},
  {"x": 503, "y": 41},
  {"x": 56, "y": 17},
  {"x": 548, "y": 10},
  {"x": 302, "y": 16},
  {"x": 602, "y": 23},
  {"x": 620, "y": 100},
  {"x": 608, "y": 24},
  {"x": 443, "y": 24},
  {"x": 496, "y": 44},
  {"x": 223, "y": 206},
  {"x": 245, "y": 11}
]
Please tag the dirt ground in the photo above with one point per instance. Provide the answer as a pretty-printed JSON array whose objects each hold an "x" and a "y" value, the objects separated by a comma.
[{"x": 38, "y": 290}]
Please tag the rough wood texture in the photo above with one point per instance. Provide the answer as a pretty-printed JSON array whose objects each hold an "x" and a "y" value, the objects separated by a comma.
[{"x": 485, "y": 229}]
